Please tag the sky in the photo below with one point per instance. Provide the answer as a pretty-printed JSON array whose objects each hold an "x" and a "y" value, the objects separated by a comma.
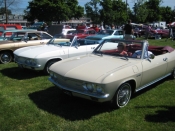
[{"x": 170, "y": 3}]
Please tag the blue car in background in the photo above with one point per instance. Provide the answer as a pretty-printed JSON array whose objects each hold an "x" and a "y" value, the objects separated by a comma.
[{"x": 108, "y": 34}]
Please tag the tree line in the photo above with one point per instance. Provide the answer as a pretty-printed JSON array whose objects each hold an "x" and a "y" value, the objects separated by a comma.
[{"x": 106, "y": 11}]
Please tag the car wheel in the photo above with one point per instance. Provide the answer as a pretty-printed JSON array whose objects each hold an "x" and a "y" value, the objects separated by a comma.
[
  {"x": 173, "y": 74},
  {"x": 46, "y": 69},
  {"x": 5, "y": 57},
  {"x": 122, "y": 96}
]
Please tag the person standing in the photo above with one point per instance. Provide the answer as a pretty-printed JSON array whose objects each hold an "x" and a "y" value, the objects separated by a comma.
[
  {"x": 128, "y": 31},
  {"x": 147, "y": 31}
]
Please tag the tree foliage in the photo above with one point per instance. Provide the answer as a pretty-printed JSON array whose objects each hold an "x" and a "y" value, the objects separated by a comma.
[
  {"x": 140, "y": 11},
  {"x": 166, "y": 14},
  {"x": 106, "y": 11},
  {"x": 2, "y": 11},
  {"x": 153, "y": 7},
  {"x": 53, "y": 10},
  {"x": 100, "y": 11},
  {"x": 92, "y": 10}
]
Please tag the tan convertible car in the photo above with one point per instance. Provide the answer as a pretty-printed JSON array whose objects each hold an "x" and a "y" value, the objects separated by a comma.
[
  {"x": 21, "y": 38},
  {"x": 112, "y": 74}
]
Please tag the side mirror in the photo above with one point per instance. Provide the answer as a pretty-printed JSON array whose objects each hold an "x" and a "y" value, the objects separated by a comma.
[{"x": 151, "y": 56}]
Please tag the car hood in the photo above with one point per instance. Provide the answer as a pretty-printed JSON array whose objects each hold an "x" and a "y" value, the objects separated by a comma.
[
  {"x": 34, "y": 51},
  {"x": 89, "y": 68}
]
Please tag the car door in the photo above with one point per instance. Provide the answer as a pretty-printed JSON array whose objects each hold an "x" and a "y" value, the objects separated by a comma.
[
  {"x": 171, "y": 60},
  {"x": 153, "y": 69}
]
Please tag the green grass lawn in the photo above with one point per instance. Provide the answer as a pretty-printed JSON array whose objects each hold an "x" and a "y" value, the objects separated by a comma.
[{"x": 28, "y": 101}]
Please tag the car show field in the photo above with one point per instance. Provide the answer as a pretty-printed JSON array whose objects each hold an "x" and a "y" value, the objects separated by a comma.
[{"x": 30, "y": 102}]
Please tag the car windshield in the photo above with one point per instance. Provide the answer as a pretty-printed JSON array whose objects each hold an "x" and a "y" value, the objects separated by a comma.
[
  {"x": 122, "y": 48},
  {"x": 106, "y": 32},
  {"x": 61, "y": 40}
]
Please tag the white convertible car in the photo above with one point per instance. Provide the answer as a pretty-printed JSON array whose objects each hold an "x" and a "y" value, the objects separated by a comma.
[
  {"x": 109, "y": 75},
  {"x": 58, "y": 48}
]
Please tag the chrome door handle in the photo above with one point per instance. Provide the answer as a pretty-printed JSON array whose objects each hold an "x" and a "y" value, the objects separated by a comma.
[{"x": 165, "y": 59}]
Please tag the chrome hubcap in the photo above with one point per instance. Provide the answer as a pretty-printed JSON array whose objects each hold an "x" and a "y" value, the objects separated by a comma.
[
  {"x": 124, "y": 95},
  {"x": 5, "y": 58}
]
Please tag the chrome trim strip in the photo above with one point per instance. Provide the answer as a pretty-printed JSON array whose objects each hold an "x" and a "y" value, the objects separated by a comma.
[
  {"x": 86, "y": 93},
  {"x": 140, "y": 88}
]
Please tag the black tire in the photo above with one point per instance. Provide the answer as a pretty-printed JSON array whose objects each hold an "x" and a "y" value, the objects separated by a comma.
[
  {"x": 173, "y": 74},
  {"x": 122, "y": 96},
  {"x": 5, "y": 57},
  {"x": 49, "y": 63}
]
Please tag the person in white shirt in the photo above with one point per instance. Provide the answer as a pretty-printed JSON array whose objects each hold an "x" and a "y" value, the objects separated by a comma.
[{"x": 138, "y": 53}]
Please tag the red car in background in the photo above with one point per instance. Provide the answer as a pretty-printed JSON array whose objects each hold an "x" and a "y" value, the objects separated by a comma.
[
  {"x": 84, "y": 32},
  {"x": 9, "y": 27},
  {"x": 161, "y": 33}
]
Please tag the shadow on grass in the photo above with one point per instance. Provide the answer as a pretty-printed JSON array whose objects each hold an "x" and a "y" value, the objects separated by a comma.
[
  {"x": 21, "y": 74},
  {"x": 55, "y": 102},
  {"x": 166, "y": 114}
]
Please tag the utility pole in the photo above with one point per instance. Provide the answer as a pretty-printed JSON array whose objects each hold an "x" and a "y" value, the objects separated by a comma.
[{"x": 6, "y": 19}]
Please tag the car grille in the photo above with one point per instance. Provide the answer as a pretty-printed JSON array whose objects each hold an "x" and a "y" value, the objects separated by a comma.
[{"x": 69, "y": 82}]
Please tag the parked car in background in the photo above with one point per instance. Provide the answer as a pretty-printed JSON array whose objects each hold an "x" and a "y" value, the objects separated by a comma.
[
  {"x": 6, "y": 34},
  {"x": 21, "y": 38},
  {"x": 105, "y": 75},
  {"x": 137, "y": 32},
  {"x": 158, "y": 33},
  {"x": 106, "y": 34},
  {"x": 82, "y": 33},
  {"x": 68, "y": 31},
  {"x": 58, "y": 48},
  {"x": 4, "y": 27},
  {"x": 37, "y": 25},
  {"x": 10, "y": 27}
]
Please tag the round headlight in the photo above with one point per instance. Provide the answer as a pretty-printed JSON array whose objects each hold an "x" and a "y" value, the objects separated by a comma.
[
  {"x": 99, "y": 89},
  {"x": 33, "y": 62},
  {"x": 89, "y": 87}
]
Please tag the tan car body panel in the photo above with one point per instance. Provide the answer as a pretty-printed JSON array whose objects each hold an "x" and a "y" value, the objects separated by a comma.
[{"x": 13, "y": 45}]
